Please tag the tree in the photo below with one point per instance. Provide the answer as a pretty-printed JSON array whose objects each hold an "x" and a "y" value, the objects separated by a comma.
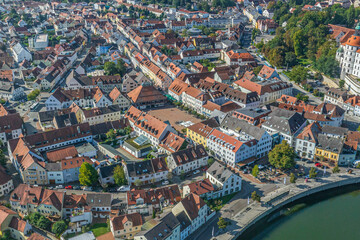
[
  {"x": 119, "y": 175},
  {"x": 33, "y": 95},
  {"x": 88, "y": 175},
  {"x": 154, "y": 213},
  {"x": 255, "y": 171},
  {"x": 138, "y": 182},
  {"x": 292, "y": 178},
  {"x": 111, "y": 134},
  {"x": 302, "y": 97},
  {"x": 210, "y": 161},
  {"x": 312, "y": 173},
  {"x": 2, "y": 157},
  {"x": 222, "y": 223},
  {"x": 43, "y": 223},
  {"x": 290, "y": 59},
  {"x": 358, "y": 166},
  {"x": 298, "y": 74},
  {"x": 169, "y": 175},
  {"x": 59, "y": 227},
  {"x": 257, "y": 69},
  {"x": 255, "y": 196},
  {"x": 112, "y": 68},
  {"x": 282, "y": 156},
  {"x": 182, "y": 175},
  {"x": 341, "y": 84},
  {"x": 336, "y": 169}
]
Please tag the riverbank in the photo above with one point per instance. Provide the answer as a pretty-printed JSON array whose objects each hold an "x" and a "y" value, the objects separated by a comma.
[{"x": 244, "y": 221}]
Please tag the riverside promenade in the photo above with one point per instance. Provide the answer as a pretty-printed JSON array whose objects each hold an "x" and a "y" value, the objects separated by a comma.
[{"x": 275, "y": 200}]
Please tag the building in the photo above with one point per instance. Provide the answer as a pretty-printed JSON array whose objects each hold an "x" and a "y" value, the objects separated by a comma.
[
  {"x": 100, "y": 204},
  {"x": 84, "y": 98},
  {"x": 268, "y": 89},
  {"x": 147, "y": 171},
  {"x": 204, "y": 188},
  {"x": 146, "y": 201},
  {"x": 253, "y": 116},
  {"x": 39, "y": 42},
  {"x": 334, "y": 150},
  {"x": 26, "y": 199},
  {"x": 166, "y": 228},
  {"x": 200, "y": 131},
  {"x": 126, "y": 226},
  {"x": 225, "y": 180},
  {"x": 146, "y": 97},
  {"x": 6, "y": 182},
  {"x": 21, "y": 53},
  {"x": 193, "y": 209},
  {"x": 284, "y": 125},
  {"x": 307, "y": 140},
  {"x": 348, "y": 58},
  {"x": 336, "y": 96},
  {"x": 261, "y": 141},
  {"x": 144, "y": 124},
  {"x": 19, "y": 229},
  {"x": 106, "y": 174},
  {"x": 187, "y": 160},
  {"x": 11, "y": 127},
  {"x": 352, "y": 105}
]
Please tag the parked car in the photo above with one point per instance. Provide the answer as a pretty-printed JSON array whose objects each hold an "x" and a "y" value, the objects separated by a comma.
[
  {"x": 123, "y": 189},
  {"x": 69, "y": 187},
  {"x": 196, "y": 172},
  {"x": 87, "y": 188},
  {"x": 59, "y": 187},
  {"x": 165, "y": 182},
  {"x": 77, "y": 188},
  {"x": 318, "y": 165}
]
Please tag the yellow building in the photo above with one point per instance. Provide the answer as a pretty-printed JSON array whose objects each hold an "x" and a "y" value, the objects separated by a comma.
[
  {"x": 199, "y": 133},
  {"x": 334, "y": 150},
  {"x": 126, "y": 226}
]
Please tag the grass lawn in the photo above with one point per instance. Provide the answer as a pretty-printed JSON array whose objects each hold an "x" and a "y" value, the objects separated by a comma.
[
  {"x": 215, "y": 205},
  {"x": 99, "y": 229},
  {"x": 132, "y": 143}
]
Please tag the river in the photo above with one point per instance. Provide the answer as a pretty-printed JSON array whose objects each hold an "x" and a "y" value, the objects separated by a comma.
[{"x": 335, "y": 218}]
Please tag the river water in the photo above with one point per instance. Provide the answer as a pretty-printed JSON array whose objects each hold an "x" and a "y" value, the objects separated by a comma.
[{"x": 336, "y": 218}]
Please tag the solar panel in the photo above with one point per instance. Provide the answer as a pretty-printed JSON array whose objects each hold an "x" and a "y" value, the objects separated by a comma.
[{"x": 141, "y": 140}]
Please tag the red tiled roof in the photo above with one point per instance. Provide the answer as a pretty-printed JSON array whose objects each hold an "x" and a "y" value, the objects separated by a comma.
[{"x": 134, "y": 218}]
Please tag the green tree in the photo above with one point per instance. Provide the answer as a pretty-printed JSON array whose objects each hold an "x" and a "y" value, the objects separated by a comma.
[
  {"x": 222, "y": 223},
  {"x": 43, "y": 223},
  {"x": 255, "y": 171},
  {"x": 341, "y": 84},
  {"x": 119, "y": 176},
  {"x": 312, "y": 173},
  {"x": 182, "y": 175},
  {"x": 210, "y": 161},
  {"x": 111, "y": 134},
  {"x": 257, "y": 69},
  {"x": 282, "y": 156},
  {"x": 154, "y": 213},
  {"x": 292, "y": 178},
  {"x": 138, "y": 182},
  {"x": 59, "y": 227},
  {"x": 302, "y": 97},
  {"x": 33, "y": 95},
  {"x": 88, "y": 175},
  {"x": 255, "y": 196},
  {"x": 336, "y": 169},
  {"x": 2, "y": 157},
  {"x": 290, "y": 59},
  {"x": 299, "y": 74},
  {"x": 358, "y": 166}
]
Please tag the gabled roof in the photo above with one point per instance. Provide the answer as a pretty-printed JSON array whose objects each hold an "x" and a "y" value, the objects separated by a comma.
[
  {"x": 310, "y": 133},
  {"x": 134, "y": 218},
  {"x": 192, "y": 204},
  {"x": 145, "y": 94}
]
